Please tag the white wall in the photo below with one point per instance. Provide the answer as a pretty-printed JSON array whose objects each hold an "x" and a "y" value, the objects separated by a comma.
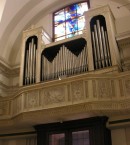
[
  {"x": 121, "y": 136},
  {"x": 19, "y": 141},
  {"x": 123, "y": 24}
]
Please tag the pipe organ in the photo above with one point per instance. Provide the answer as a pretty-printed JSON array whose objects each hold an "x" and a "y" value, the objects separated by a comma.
[
  {"x": 100, "y": 42},
  {"x": 30, "y": 61},
  {"x": 93, "y": 50},
  {"x": 67, "y": 59}
]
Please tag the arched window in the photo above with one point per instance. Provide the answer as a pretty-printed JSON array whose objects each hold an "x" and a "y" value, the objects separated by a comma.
[{"x": 69, "y": 21}]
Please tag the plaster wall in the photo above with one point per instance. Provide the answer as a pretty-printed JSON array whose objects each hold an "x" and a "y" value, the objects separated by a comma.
[
  {"x": 121, "y": 136},
  {"x": 123, "y": 24}
]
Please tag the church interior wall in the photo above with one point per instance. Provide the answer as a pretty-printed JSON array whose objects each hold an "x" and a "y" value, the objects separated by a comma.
[{"x": 9, "y": 75}]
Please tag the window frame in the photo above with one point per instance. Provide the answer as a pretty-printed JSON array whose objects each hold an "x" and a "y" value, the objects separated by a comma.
[
  {"x": 68, "y": 134},
  {"x": 99, "y": 134},
  {"x": 53, "y": 25}
]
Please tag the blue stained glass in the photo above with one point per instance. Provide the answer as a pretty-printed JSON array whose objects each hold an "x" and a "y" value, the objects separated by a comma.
[
  {"x": 70, "y": 21},
  {"x": 70, "y": 12},
  {"x": 60, "y": 30},
  {"x": 71, "y": 26},
  {"x": 59, "y": 17}
]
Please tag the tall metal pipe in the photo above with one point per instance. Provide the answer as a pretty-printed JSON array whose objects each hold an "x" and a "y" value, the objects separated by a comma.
[
  {"x": 34, "y": 62},
  {"x": 97, "y": 46},
  {"x": 95, "y": 50},
  {"x": 108, "y": 49},
  {"x": 29, "y": 75},
  {"x": 100, "y": 43},
  {"x": 42, "y": 69},
  {"x": 26, "y": 68},
  {"x": 104, "y": 46}
]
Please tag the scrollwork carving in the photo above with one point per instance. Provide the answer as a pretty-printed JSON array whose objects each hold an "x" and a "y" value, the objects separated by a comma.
[
  {"x": 77, "y": 91},
  {"x": 33, "y": 99},
  {"x": 54, "y": 95},
  {"x": 104, "y": 89}
]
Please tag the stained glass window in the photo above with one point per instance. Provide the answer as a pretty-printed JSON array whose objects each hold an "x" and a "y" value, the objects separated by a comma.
[{"x": 69, "y": 21}]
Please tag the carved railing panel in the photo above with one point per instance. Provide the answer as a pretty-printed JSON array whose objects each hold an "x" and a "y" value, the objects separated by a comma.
[{"x": 99, "y": 92}]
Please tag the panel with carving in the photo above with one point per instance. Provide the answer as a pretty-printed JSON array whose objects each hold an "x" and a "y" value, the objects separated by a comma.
[
  {"x": 17, "y": 105},
  {"x": 105, "y": 89},
  {"x": 55, "y": 95},
  {"x": 94, "y": 84},
  {"x": 77, "y": 91},
  {"x": 31, "y": 100},
  {"x": 121, "y": 86},
  {"x": 4, "y": 108},
  {"x": 127, "y": 87}
]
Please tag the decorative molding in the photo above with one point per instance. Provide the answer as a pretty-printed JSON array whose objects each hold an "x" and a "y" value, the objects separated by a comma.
[
  {"x": 127, "y": 87},
  {"x": 77, "y": 91},
  {"x": 123, "y": 36},
  {"x": 55, "y": 95},
  {"x": 91, "y": 93},
  {"x": 7, "y": 70}
]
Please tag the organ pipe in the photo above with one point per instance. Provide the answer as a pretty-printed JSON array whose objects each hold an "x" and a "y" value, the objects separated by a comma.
[
  {"x": 95, "y": 50},
  {"x": 65, "y": 63},
  {"x": 100, "y": 43},
  {"x": 101, "y": 50},
  {"x": 30, "y": 63},
  {"x": 108, "y": 49},
  {"x": 104, "y": 46},
  {"x": 97, "y": 46}
]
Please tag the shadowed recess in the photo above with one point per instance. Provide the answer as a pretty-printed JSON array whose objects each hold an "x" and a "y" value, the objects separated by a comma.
[{"x": 75, "y": 46}]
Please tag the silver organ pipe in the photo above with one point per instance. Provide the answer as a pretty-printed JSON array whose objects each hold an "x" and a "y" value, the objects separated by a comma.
[
  {"x": 85, "y": 66},
  {"x": 73, "y": 64},
  {"x": 30, "y": 63},
  {"x": 65, "y": 63},
  {"x": 29, "y": 59},
  {"x": 33, "y": 63},
  {"x": 26, "y": 71},
  {"x": 80, "y": 62},
  {"x": 108, "y": 49},
  {"x": 100, "y": 43},
  {"x": 34, "y": 69},
  {"x": 104, "y": 46},
  {"x": 97, "y": 46},
  {"x": 101, "y": 50},
  {"x": 95, "y": 50},
  {"x": 69, "y": 63}
]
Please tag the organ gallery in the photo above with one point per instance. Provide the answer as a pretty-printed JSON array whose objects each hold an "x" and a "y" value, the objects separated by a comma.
[{"x": 93, "y": 50}]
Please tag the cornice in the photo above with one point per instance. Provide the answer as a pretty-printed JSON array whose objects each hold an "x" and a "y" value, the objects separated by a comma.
[
  {"x": 8, "y": 71},
  {"x": 122, "y": 36}
]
